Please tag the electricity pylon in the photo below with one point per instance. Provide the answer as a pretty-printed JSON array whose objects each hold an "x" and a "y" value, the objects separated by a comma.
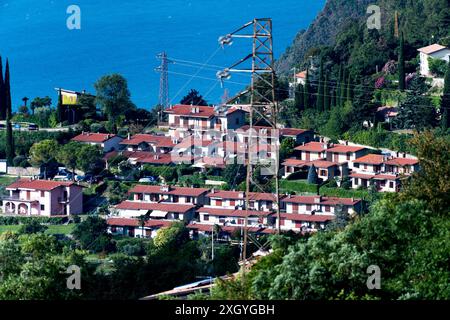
[
  {"x": 163, "y": 69},
  {"x": 263, "y": 105}
]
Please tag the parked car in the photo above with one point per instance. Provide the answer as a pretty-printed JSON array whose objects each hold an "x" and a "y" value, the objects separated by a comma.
[
  {"x": 147, "y": 179},
  {"x": 33, "y": 127}
]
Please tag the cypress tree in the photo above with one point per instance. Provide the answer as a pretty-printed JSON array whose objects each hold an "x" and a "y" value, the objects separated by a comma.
[
  {"x": 9, "y": 132},
  {"x": 2, "y": 93},
  {"x": 326, "y": 98},
  {"x": 401, "y": 64},
  {"x": 299, "y": 98},
  {"x": 349, "y": 90},
  {"x": 342, "y": 90},
  {"x": 338, "y": 87},
  {"x": 321, "y": 89},
  {"x": 445, "y": 101},
  {"x": 333, "y": 99},
  {"x": 59, "y": 108},
  {"x": 306, "y": 97}
]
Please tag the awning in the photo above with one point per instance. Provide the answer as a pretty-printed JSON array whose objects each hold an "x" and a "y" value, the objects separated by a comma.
[{"x": 158, "y": 214}]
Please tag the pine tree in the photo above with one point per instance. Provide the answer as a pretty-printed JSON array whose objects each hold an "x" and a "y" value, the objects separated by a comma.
[
  {"x": 321, "y": 89},
  {"x": 401, "y": 64},
  {"x": 299, "y": 97},
  {"x": 9, "y": 132},
  {"x": 306, "y": 94},
  {"x": 445, "y": 101},
  {"x": 2, "y": 93},
  {"x": 327, "y": 98},
  {"x": 312, "y": 175}
]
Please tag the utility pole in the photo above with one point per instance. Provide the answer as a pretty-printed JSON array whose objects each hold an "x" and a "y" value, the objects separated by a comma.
[
  {"x": 396, "y": 31},
  {"x": 263, "y": 104},
  {"x": 163, "y": 69}
]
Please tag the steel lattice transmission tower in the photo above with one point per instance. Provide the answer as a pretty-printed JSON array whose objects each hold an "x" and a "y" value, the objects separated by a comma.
[
  {"x": 163, "y": 69},
  {"x": 263, "y": 106}
]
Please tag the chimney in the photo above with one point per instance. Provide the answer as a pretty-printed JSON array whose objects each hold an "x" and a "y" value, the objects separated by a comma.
[{"x": 129, "y": 136}]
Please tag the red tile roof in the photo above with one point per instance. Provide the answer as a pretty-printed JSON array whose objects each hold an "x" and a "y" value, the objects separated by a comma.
[
  {"x": 371, "y": 159},
  {"x": 402, "y": 162},
  {"x": 149, "y": 157},
  {"x": 362, "y": 176},
  {"x": 292, "y": 131},
  {"x": 222, "y": 194},
  {"x": 158, "y": 141},
  {"x": 320, "y": 200},
  {"x": 165, "y": 207},
  {"x": 93, "y": 137},
  {"x": 188, "y": 110},
  {"x": 178, "y": 191},
  {"x": 301, "y": 75},
  {"x": 294, "y": 163},
  {"x": 43, "y": 185},
  {"x": 344, "y": 149},
  {"x": 129, "y": 222},
  {"x": 230, "y": 229},
  {"x": 232, "y": 212},
  {"x": 313, "y": 147},
  {"x": 386, "y": 177},
  {"x": 307, "y": 217}
]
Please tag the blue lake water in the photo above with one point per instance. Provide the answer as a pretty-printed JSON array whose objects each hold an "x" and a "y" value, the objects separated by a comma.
[{"x": 125, "y": 36}]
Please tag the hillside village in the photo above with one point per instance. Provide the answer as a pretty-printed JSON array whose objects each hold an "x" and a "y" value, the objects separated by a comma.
[{"x": 150, "y": 190}]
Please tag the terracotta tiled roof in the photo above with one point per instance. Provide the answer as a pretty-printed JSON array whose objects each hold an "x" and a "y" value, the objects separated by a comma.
[
  {"x": 43, "y": 185},
  {"x": 432, "y": 49},
  {"x": 177, "y": 191},
  {"x": 93, "y": 137},
  {"x": 301, "y": 75},
  {"x": 237, "y": 195},
  {"x": 232, "y": 212},
  {"x": 320, "y": 200},
  {"x": 386, "y": 177},
  {"x": 292, "y": 131},
  {"x": 294, "y": 163},
  {"x": 317, "y": 163},
  {"x": 165, "y": 207},
  {"x": 188, "y": 110},
  {"x": 159, "y": 141},
  {"x": 362, "y": 176},
  {"x": 344, "y": 149},
  {"x": 209, "y": 228},
  {"x": 402, "y": 162},
  {"x": 371, "y": 159},
  {"x": 129, "y": 222},
  {"x": 149, "y": 157},
  {"x": 313, "y": 147}
]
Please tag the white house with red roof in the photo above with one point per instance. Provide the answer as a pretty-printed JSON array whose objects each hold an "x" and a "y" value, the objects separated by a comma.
[
  {"x": 384, "y": 182},
  {"x": 343, "y": 153},
  {"x": 142, "y": 158},
  {"x": 132, "y": 227},
  {"x": 149, "y": 142},
  {"x": 169, "y": 194},
  {"x": 236, "y": 200},
  {"x": 312, "y": 213},
  {"x": 43, "y": 197},
  {"x": 186, "y": 119},
  {"x": 233, "y": 217},
  {"x": 325, "y": 170},
  {"x": 312, "y": 151},
  {"x": 106, "y": 141},
  {"x": 269, "y": 134},
  {"x": 434, "y": 51},
  {"x": 156, "y": 211}
]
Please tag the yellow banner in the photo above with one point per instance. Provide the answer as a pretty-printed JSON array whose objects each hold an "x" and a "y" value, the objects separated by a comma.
[{"x": 69, "y": 98}]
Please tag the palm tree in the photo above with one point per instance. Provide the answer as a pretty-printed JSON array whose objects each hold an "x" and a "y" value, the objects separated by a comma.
[{"x": 25, "y": 100}]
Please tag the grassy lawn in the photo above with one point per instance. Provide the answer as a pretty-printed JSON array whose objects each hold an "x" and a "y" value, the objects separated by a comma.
[
  {"x": 52, "y": 229},
  {"x": 303, "y": 187},
  {"x": 6, "y": 180}
]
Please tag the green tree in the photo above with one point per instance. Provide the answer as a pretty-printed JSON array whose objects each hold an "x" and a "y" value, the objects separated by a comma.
[
  {"x": 327, "y": 95},
  {"x": 114, "y": 97},
  {"x": 10, "y": 148},
  {"x": 307, "y": 92},
  {"x": 445, "y": 101},
  {"x": 401, "y": 64},
  {"x": 2, "y": 93},
  {"x": 286, "y": 148},
  {"x": 321, "y": 90},
  {"x": 32, "y": 226},
  {"x": 92, "y": 235},
  {"x": 89, "y": 158},
  {"x": 43, "y": 152},
  {"x": 299, "y": 98},
  {"x": 312, "y": 175},
  {"x": 68, "y": 155},
  {"x": 195, "y": 98}
]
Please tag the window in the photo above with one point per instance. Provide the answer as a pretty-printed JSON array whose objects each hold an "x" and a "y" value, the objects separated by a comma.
[
  {"x": 206, "y": 217},
  {"x": 218, "y": 203},
  {"x": 232, "y": 203},
  {"x": 42, "y": 194},
  {"x": 327, "y": 208},
  {"x": 323, "y": 173},
  {"x": 308, "y": 207},
  {"x": 176, "y": 216},
  {"x": 42, "y": 207},
  {"x": 188, "y": 199},
  {"x": 348, "y": 155},
  {"x": 175, "y": 199},
  {"x": 365, "y": 166},
  {"x": 391, "y": 185},
  {"x": 295, "y": 207}
]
